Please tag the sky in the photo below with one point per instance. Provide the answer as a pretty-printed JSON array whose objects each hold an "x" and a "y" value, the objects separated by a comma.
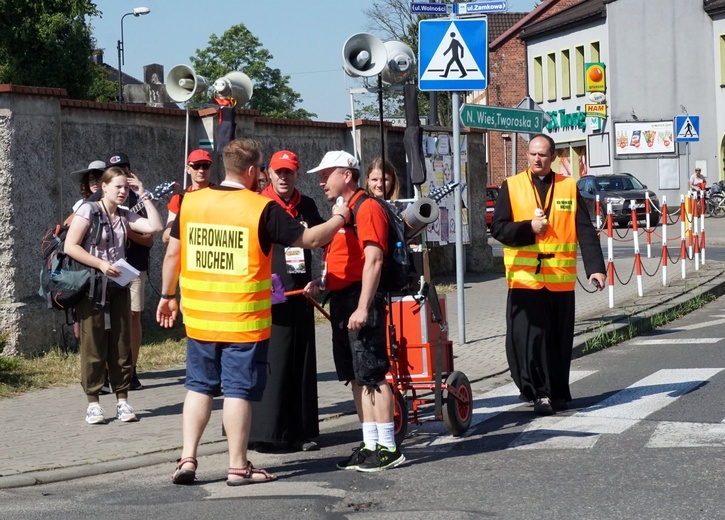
[{"x": 305, "y": 38}]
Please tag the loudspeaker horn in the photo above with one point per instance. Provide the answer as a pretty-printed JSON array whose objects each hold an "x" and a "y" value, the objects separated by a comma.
[
  {"x": 399, "y": 64},
  {"x": 235, "y": 85},
  {"x": 363, "y": 55},
  {"x": 182, "y": 83}
]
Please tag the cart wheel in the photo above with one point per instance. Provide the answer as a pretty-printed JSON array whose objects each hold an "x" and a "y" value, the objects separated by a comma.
[
  {"x": 400, "y": 416},
  {"x": 457, "y": 413}
]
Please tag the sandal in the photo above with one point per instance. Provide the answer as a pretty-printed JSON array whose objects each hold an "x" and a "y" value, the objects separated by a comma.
[
  {"x": 184, "y": 476},
  {"x": 247, "y": 475}
]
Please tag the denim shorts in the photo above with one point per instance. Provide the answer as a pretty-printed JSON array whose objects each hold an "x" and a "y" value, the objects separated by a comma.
[
  {"x": 239, "y": 368},
  {"x": 362, "y": 354}
]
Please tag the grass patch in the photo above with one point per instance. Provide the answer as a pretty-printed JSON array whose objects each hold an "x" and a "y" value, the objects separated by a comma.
[
  {"x": 608, "y": 338},
  {"x": 161, "y": 349}
]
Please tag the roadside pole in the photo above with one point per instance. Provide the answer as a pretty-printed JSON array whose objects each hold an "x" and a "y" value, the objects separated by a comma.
[
  {"x": 460, "y": 252},
  {"x": 453, "y": 57}
]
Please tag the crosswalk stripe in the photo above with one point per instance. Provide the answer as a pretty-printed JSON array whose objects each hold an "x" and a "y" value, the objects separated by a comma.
[
  {"x": 489, "y": 405},
  {"x": 615, "y": 414},
  {"x": 677, "y": 341},
  {"x": 696, "y": 326},
  {"x": 687, "y": 435}
]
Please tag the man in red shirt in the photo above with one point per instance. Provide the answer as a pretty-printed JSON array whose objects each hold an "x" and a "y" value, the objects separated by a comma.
[
  {"x": 354, "y": 261},
  {"x": 198, "y": 166}
]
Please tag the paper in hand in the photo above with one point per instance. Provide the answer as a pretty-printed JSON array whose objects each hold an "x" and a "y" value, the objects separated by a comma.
[{"x": 128, "y": 272}]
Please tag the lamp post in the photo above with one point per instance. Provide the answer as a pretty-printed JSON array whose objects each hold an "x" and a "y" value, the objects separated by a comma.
[{"x": 137, "y": 11}]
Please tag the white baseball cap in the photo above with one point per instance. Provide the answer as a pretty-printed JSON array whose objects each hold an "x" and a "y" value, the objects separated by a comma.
[{"x": 337, "y": 159}]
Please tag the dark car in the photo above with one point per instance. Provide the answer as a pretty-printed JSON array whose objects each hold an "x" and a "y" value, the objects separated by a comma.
[
  {"x": 491, "y": 194},
  {"x": 619, "y": 189}
]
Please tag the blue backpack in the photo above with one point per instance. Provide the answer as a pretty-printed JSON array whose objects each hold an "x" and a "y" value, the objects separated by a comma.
[{"x": 64, "y": 282}]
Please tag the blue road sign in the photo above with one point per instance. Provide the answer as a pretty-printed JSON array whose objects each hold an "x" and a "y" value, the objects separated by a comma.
[
  {"x": 687, "y": 129},
  {"x": 421, "y": 8},
  {"x": 499, "y": 6},
  {"x": 453, "y": 54}
]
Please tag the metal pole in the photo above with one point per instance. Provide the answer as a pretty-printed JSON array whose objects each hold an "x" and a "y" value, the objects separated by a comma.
[
  {"x": 460, "y": 265},
  {"x": 120, "y": 75},
  {"x": 382, "y": 130},
  {"x": 186, "y": 143},
  {"x": 514, "y": 153},
  {"x": 121, "y": 61}
]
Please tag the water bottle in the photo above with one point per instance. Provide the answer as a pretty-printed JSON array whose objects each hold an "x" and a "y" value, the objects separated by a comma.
[{"x": 399, "y": 254}]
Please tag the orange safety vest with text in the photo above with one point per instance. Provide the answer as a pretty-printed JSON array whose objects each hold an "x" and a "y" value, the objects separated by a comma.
[
  {"x": 225, "y": 278},
  {"x": 550, "y": 262}
]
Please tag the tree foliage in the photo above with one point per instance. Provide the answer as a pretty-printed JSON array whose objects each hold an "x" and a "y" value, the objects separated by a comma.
[
  {"x": 239, "y": 50},
  {"x": 49, "y": 44},
  {"x": 392, "y": 20}
]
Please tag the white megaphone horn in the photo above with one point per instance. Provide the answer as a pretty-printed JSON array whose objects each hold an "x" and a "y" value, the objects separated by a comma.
[
  {"x": 399, "y": 64},
  {"x": 234, "y": 85},
  {"x": 363, "y": 55},
  {"x": 182, "y": 83}
]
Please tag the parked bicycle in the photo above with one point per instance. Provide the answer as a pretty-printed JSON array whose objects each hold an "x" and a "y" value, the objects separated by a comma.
[{"x": 715, "y": 200}]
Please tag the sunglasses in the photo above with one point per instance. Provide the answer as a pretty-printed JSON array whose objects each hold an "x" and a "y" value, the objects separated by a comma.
[{"x": 203, "y": 166}]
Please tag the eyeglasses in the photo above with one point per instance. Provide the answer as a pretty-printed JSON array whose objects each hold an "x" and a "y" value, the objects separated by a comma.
[{"x": 203, "y": 166}]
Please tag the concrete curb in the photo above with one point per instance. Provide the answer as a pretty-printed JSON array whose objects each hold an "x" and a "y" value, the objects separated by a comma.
[{"x": 641, "y": 322}]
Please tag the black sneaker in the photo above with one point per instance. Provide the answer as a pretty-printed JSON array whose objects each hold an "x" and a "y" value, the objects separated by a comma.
[
  {"x": 359, "y": 455},
  {"x": 542, "y": 406},
  {"x": 382, "y": 458}
]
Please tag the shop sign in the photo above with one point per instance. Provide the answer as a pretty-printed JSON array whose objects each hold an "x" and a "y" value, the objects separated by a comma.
[{"x": 561, "y": 120}]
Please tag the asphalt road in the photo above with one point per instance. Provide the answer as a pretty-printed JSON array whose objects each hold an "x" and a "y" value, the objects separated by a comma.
[{"x": 644, "y": 439}]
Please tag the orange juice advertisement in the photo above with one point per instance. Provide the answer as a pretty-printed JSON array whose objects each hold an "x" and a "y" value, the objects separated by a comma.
[{"x": 646, "y": 137}]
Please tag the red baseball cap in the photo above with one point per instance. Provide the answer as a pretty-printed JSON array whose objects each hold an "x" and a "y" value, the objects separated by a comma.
[
  {"x": 284, "y": 159},
  {"x": 199, "y": 155}
]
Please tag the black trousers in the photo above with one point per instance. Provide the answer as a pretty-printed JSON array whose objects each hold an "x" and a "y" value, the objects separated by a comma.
[{"x": 539, "y": 339}]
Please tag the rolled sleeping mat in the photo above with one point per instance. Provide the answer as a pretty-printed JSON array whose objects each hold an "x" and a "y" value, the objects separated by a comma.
[{"x": 419, "y": 215}]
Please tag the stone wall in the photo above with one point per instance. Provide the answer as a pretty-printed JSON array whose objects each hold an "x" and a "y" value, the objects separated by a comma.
[{"x": 44, "y": 136}]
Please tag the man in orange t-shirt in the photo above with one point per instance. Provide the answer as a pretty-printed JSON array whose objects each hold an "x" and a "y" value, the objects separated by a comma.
[
  {"x": 198, "y": 166},
  {"x": 354, "y": 261}
]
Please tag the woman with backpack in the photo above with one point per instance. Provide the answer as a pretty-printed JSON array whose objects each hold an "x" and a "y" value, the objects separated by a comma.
[{"x": 105, "y": 334}]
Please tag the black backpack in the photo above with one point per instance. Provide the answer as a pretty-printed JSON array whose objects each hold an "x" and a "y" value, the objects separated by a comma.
[
  {"x": 396, "y": 275},
  {"x": 64, "y": 282}
]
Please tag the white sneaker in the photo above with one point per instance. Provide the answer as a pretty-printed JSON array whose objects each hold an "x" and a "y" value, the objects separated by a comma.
[
  {"x": 124, "y": 412},
  {"x": 94, "y": 414}
]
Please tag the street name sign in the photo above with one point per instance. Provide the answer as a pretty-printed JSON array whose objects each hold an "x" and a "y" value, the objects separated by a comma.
[
  {"x": 502, "y": 119},
  {"x": 468, "y": 8},
  {"x": 424, "y": 8}
]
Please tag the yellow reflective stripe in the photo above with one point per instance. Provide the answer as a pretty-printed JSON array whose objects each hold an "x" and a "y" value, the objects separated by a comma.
[
  {"x": 541, "y": 277},
  {"x": 228, "y": 326},
  {"x": 524, "y": 276},
  {"x": 225, "y": 287},
  {"x": 521, "y": 260},
  {"x": 233, "y": 307},
  {"x": 544, "y": 247},
  {"x": 545, "y": 262}
]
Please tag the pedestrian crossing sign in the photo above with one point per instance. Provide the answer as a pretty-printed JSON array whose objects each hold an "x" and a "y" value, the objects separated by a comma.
[
  {"x": 453, "y": 54},
  {"x": 687, "y": 129}
]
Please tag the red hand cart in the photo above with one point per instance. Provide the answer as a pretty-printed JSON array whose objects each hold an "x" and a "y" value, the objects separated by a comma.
[{"x": 421, "y": 363}]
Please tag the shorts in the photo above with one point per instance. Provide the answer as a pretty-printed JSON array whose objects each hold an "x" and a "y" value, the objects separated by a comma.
[
  {"x": 137, "y": 286},
  {"x": 240, "y": 368},
  {"x": 362, "y": 354}
]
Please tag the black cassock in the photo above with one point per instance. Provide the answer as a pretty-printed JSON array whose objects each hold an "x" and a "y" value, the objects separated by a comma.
[
  {"x": 288, "y": 411},
  {"x": 540, "y": 323}
]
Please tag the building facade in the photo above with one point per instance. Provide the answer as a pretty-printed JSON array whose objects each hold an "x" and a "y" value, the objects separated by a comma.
[{"x": 658, "y": 65}]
